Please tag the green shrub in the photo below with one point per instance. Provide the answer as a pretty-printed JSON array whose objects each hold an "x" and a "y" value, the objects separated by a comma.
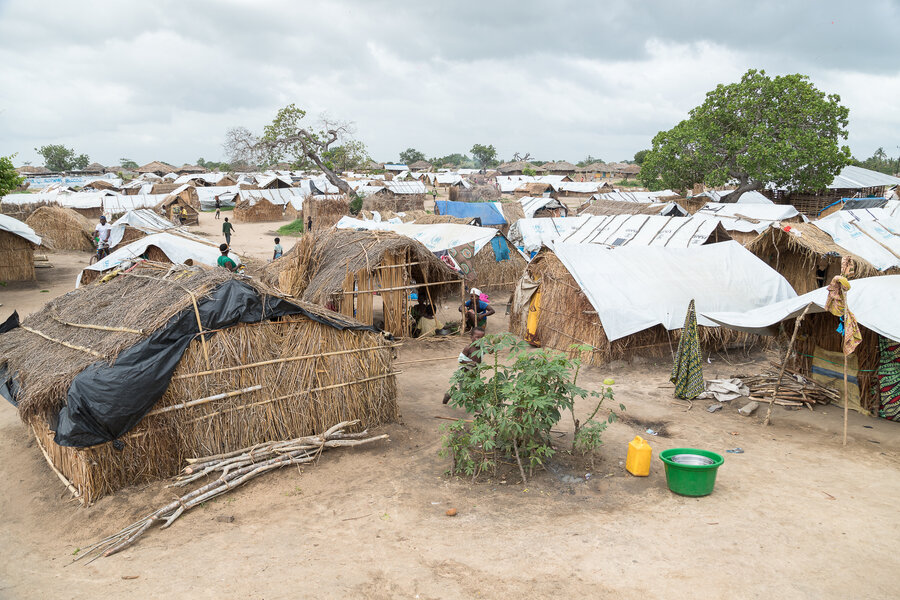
[{"x": 294, "y": 228}]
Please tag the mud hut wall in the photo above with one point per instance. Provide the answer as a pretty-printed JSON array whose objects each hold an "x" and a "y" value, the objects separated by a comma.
[
  {"x": 325, "y": 213},
  {"x": 260, "y": 212},
  {"x": 16, "y": 258},
  {"x": 291, "y": 403},
  {"x": 494, "y": 276}
]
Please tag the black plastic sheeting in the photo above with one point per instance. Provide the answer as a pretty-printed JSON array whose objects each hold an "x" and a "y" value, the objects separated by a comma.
[{"x": 105, "y": 401}]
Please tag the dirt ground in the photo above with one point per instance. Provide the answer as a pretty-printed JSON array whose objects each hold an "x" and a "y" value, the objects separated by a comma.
[{"x": 795, "y": 516}]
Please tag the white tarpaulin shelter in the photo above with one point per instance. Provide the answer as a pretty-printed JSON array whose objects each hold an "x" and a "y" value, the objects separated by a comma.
[
  {"x": 620, "y": 196},
  {"x": 746, "y": 217},
  {"x": 642, "y": 230},
  {"x": 437, "y": 237},
  {"x": 17, "y": 227},
  {"x": 531, "y": 234},
  {"x": 877, "y": 241},
  {"x": 144, "y": 219},
  {"x": 634, "y": 288},
  {"x": 177, "y": 248},
  {"x": 751, "y": 197},
  {"x": 531, "y": 204},
  {"x": 873, "y": 301}
]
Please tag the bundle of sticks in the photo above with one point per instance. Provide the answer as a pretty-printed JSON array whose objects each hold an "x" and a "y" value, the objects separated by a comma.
[
  {"x": 795, "y": 389},
  {"x": 234, "y": 469}
]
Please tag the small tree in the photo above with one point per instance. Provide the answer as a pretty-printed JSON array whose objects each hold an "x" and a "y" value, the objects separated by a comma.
[
  {"x": 587, "y": 161},
  {"x": 761, "y": 130},
  {"x": 485, "y": 156},
  {"x": 127, "y": 163},
  {"x": 515, "y": 407},
  {"x": 639, "y": 156},
  {"x": 9, "y": 177},
  {"x": 411, "y": 155},
  {"x": 529, "y": 171},
  {"x": 59, "y": 158}
]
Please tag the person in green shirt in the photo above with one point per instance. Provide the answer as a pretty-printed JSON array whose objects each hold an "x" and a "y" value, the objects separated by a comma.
[
  {"x": 225, "y": 261},
  {"x": 227, "y": 230}
]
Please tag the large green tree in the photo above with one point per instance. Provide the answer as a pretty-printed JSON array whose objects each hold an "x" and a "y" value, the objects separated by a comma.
[
  {"x": 9, "y": 178},
  {"x": 411, "y": 155},
  {"x": 761, "y": 130},
  {"x": 59, "y": 158},
  {"x": 485, "y": 156}
]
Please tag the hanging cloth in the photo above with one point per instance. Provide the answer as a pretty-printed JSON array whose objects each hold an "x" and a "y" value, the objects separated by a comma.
[{"x": 687, "y": 372}]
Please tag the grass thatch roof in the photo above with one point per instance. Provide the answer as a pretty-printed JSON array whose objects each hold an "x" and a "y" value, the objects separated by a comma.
[
  {"x": 62, "y": 228},
  {"x": 420, "y": 217},
  {"x": 315, "y": 268},
  {"x": 420, "y": 165},
  {"x": 519, "y": 165},
  {"x": 30, "y": 170},
  {"x": 612, "y": 207},
  {"x": 156, "y": 167},
  {"x": 561, "y": 165},
  {"x": 812, "y": 242},
  {"x": 142, "y": 301}
]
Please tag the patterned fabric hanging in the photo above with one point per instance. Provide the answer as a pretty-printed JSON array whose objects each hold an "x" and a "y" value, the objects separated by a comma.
[
  {"x": 687, "y": 372},
  {"x": 888, "y": 374}
]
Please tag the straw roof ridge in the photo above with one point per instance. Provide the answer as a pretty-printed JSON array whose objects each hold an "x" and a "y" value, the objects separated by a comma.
[
  {"x": 613, "y": 207},
  {"x": 812, "y": 241},
  {"x": 141, "y": 302}
]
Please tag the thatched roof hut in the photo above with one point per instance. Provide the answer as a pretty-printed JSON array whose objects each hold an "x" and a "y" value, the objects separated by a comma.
[
  {"x": 62, "y": 228},
  {"x": 557, "y": 307},
  {"x": 185, "y": 212},
  {"x": 257, "y": 210},
  {"x": 613, "y": 207},
  {"x": 559, "y": 168},
  {"x": 157, "y": 168},
  {"x": 119, "y": 388},
  {"x": 420, "y": 165},
  {"x": 17, "y": 244},
  {"x": 325, "y": 211},
  {"x": 809, "y": 260},
  {"x": 344, "y": 270}
]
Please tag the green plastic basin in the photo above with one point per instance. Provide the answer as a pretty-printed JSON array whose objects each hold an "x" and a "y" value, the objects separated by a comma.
[{"x": 691, "y": 480}]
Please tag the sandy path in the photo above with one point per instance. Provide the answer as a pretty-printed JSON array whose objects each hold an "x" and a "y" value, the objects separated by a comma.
[{"x": 796, "y": 516}]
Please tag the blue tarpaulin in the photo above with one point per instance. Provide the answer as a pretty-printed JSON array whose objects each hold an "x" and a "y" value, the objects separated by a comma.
[
  {"x": 501, "y": 250},
  {"x": 486, "y": 211}
]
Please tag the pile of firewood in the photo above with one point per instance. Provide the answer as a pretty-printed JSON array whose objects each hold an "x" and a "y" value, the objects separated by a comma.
[
  {"x": 230, "y": 471},
  {"x": 795, "y": 389}
]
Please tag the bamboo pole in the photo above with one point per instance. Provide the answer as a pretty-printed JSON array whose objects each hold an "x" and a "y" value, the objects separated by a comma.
[
  {"x": 409, "y": 362},
  {"x": 844, "y": 352},
  {"x": 62, "y": 343},
  {"x": 200, "y": 327},
  {"x": 273, "y": 362},
  {"x": 199, "y": 401},
  {"x": 787, "y": 355},
  {"x": 98, "y": 327},
  {"x": 62, "y": 477}
]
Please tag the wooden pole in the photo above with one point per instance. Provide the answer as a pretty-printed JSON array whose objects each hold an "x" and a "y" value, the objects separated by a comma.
[
  {"x": 62, "y": 477},
  {"x": 200, "y": 327},
  {"x": 62, "y": 343},
  {"x": 98, "y": 327},
  {"x": 846, "y": 394},
  {"x": 787, "y": 355},
  {"x": 401, "y": 287},
  {"x": 190, "y": 403}
]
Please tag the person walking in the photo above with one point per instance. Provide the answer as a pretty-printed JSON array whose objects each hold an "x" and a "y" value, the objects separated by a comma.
[
  {"x": 309, "y": 224},
  {"x": 218, "y": 207},
  {"x": 227, "y": 230}
]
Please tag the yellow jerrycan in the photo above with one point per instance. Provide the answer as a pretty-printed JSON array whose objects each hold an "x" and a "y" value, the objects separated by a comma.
[{"x": 638, "y": 460}]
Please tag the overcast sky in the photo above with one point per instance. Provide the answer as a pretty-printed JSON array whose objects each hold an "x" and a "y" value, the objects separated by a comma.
[{"x": 164, "y": 80}]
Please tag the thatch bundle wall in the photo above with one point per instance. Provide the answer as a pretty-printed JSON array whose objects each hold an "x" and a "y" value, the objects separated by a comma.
[
  {"x": 189, "y": 214},
  {"x": 343, "y": 270},
  {"x": 16, "y": 258},
  {"x": 325, "y": 212},
  {"x": 797, "y": 258},
  {"x": 21, "y": 211},
  {"x": 614, "y": 207},
  {"x": 387, "y": 201},
  {"x": 494, "y": 276},
  {"x": 164, "y": 188},
  {"x": 90, "y": 213},
  {"x": 567, "y": 318},
  {"x": 311, "y": 376},
  {"x": 820, "y": 329},
  {"x": 476, "y": 193},
  {"x": 62, "y": 228},
  {"x": 261, "y": 211}
]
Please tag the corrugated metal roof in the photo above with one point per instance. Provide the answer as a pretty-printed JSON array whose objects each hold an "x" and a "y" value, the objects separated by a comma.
[{"x": 853, "y": 178}]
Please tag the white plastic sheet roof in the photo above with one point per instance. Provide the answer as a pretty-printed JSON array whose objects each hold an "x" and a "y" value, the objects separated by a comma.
[
  {"x": 635, "y": 288},
  {"x": 179, "y": 250},
  {"x": 437, "y": 237},
  {"x": 277, "y": 196},
  {"x": 207, "y": 195},
  {"x": 872, "y": 300},
  {"x": 746, "y": 198},
  {"x": 641, "y": 230},
  {"x": 877, "y": 241},
  {"x": 578, "y": 187},
  {"x": 123, "y": 203},
  {"x": 405, "y": 187},
  {"x": 144, "y": 219},
  {"x": 853, "y": 178},
  {"x": 892, "y": 208},
  {"x": 531, "y": 205},
  {"x": 531, "y": 234},
  {"x": 746, "y": 217},
  {"x": 17, "y": 227},
  {"x": 620, "y": 196}
]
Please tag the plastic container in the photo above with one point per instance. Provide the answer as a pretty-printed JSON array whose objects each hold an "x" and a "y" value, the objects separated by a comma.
[
  {"x": 639, "y": 454},
  {"x": 691, "y": 479}
]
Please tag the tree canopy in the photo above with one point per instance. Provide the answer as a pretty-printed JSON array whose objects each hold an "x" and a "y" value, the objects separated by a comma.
[
  {"x": 9, "y": 178},
  {"x": 328, "y": 146},
  {"x": 639, "y": 156},
  {"x": 485, "y": 156},
  {"x": 59, "y": 158},
  {"x": 761, "y": 130},
  {"x": 453, "y": 160},
  {"x": 880, "y": 161},
  {"x": 411, "y": 155},
  {"x": 587, "y": 161},
  {"x": 127, "y": 163}
]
